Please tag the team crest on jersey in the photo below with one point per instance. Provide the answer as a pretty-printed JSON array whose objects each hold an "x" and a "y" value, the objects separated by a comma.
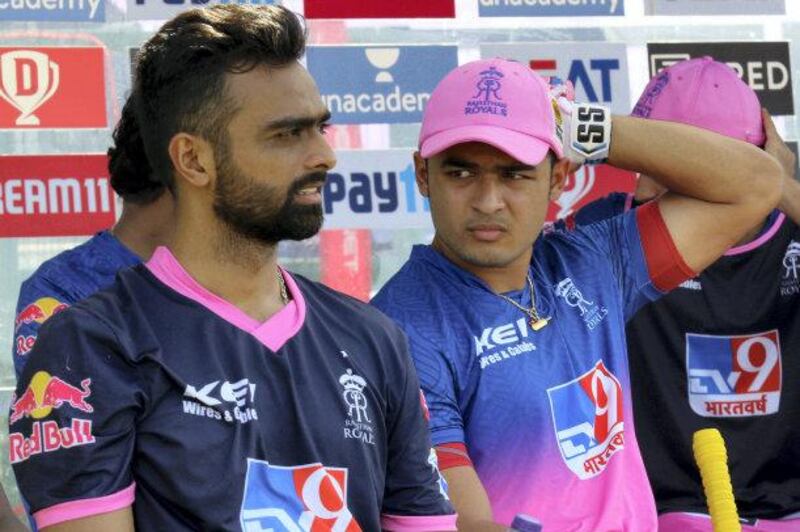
[
  {"x": 591, "y": 313},
  {"x": 303, "y": 498},
  {"x": 587, "y": 416},
  {"x": 358, "y": 424},
  {"x": 222, "y": 400},
  {"x": 790, "y": 281},
  {"x": 734, "y": 376}
]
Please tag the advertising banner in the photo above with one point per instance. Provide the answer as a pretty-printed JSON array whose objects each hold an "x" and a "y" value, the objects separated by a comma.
[
  {"x": 380, "y": 9},
  {"x": 551, "y": 8},
  {"x": 53, "y": 10},
  {"x": 715, "y": 7},
  {"x": 166, "y": 9}
]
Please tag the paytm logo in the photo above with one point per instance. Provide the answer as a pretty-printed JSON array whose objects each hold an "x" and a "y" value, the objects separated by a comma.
[
  {"x": 363, "y": 85},
  {"x": 375, "y": 189},
  {"x": 550, "y": 8},
  {"x": 55, "y": 10},
  {"x": 597, "y": 70}
]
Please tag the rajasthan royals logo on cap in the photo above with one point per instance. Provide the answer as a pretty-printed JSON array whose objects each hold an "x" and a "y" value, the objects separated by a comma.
[
  {"x": 646, "y": 102},
  {"x": 487, "y": 99},
  {"x": 296, "y": 498},
  {"x": 587, "y": 417}
]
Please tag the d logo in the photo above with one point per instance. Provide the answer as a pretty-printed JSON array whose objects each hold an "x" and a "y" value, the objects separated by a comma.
[{"x": 27, "y": 80}]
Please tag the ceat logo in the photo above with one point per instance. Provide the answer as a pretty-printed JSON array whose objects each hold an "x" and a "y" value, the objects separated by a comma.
[
  {"x": 46, "y": 392},
  {"x": 581, "y": 76},
  {"x": 302, "y": 498},
  {"x": 39, "y": 311}
]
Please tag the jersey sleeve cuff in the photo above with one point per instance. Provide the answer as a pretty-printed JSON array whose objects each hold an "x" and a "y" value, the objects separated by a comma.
[
  {"x": 450, "y": 455},
  {"x": 418, "y": 523},
  {"x": 69, "y": 511},
  {"x": 665, "y": 265}
]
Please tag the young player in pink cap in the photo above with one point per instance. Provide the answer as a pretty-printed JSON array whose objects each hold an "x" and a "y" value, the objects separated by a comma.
[
  {"x": 518, "y": 339},
  {"x": 722, "y": 349}
]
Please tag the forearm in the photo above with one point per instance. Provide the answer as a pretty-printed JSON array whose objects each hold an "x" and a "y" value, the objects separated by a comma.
[
  {"x": 790, "y": 199},
  {"x": 693, "y": 162}
]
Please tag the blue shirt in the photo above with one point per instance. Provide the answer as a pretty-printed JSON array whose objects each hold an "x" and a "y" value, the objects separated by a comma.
[
  {"x": 158, "y": 394},
  {"x": 61, "y": 282},
  {"x": 546, "y": 415}
]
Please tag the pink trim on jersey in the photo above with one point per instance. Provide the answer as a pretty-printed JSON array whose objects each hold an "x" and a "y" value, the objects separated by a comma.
[
  {"x": 417, "y": 523},
  {"x": 760, "y": 240},
  {"x": 69, "y": 511},
  {"x": 273, "y": 333},
  {"x": 692, "y": 522},
  {"x": 628, "y": 202}
]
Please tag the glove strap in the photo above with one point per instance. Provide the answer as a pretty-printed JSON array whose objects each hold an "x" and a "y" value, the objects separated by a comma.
[{"x": 590, "y": 133}]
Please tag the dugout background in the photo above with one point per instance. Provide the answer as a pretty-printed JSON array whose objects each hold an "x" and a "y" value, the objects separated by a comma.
[{"x": 375, "y": 74}]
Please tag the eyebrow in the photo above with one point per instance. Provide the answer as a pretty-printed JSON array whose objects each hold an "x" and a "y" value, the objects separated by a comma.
[
  {"x": 461, "y": 163},
  {"x": 299, "y": 122}
]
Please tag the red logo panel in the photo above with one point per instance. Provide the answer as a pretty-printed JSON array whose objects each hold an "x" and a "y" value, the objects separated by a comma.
[
  {"x": 50, "y": 88},
  {"x": 588, "y": 184},
  {"x": 54, "y": 195},
  {"x": 380, "y": 9}
]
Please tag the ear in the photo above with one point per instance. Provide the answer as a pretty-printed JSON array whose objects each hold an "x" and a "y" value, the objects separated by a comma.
[
  {"x": 193, "y": 160},
  {"x": 558, "y": 176},
  {"x": 421, "y": 172}
]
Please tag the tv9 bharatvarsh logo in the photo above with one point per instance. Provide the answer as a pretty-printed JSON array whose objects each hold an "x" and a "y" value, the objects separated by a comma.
[
  {"x": 734, "y": 376},
  {"x": 229, "y": 401},
  {"x": 587, "y": 417},
  {"x": 358, "y": 425},
  {"x": 298, "y": 498},
  {"x": 363, "y": 85},
  {"x": 44, "y": 394}
]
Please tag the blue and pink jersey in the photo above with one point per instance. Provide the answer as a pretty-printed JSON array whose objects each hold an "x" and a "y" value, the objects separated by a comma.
[
  {"x": 545, "y": 416},
  {"x": 158, "y": 394}
]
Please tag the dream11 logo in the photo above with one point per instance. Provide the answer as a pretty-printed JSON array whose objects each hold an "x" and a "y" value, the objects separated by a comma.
[{"x": 27, "y": 80}]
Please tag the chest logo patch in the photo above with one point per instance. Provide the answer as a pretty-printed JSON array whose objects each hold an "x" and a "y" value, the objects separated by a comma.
[
  {"x": 229, "y": 401},
  {"x": 734, "y": 376},
  {"x": 587, "y": 417},
  {"x": 591, "y": 313},
  {"x": 299, "y": 498},
  {"x": 358, "y": 424},
  {"x": 790, "y": 280}
]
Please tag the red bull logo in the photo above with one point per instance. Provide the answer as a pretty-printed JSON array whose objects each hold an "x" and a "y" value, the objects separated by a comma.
[
  {"x": 44, "y": 393},
  {"x": 24, "y": 344},
  {"x": 39, "y": 311}
]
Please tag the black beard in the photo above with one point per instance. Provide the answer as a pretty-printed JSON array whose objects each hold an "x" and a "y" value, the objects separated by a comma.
[{"x": 253, "y": 212}]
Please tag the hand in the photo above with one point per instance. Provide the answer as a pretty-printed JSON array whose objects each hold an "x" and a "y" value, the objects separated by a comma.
[
  {"x": 776, "y": 147},
  {"x": 595, "y": 120}
]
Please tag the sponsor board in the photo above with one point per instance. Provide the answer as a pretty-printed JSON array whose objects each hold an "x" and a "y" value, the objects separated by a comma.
[
  {"x": 550, "y": 8},
  {"x": 53, "y": 10},
  {"x": 52, "y": 87},
  {"x": 166, "y": 9},
  {"x": 715, "y": 7},
  {"x": 380, "y": 9},
  {"x": 54, "y": 195},
  {"x": 764, "y": 66},
  {"x": 599, "y": 71},
  {"x": 589, "y": 183},
  {"x": 734, "y": 376},
  {"x": 378, "y": 84},
  {"x": 375, "y": 190}
]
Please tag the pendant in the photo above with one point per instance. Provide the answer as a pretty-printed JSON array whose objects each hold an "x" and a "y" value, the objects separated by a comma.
[{"x": 539, "y": 324}]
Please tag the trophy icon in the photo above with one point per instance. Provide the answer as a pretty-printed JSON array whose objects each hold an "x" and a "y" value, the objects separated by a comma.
[
  {"x": 383, "y": 59},
  {"x": 27, "y": 80}
]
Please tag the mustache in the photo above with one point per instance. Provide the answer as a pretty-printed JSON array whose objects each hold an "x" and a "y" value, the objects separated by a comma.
[{"x": 306, "y": 180}]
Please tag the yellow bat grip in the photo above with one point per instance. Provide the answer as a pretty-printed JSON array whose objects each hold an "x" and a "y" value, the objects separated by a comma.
[{"x": 712, "y": 459}]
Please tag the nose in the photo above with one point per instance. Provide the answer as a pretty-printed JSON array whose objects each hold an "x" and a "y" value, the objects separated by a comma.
[
  {"x": 321, "y": 155},
  {"x": 488, "y": 195}
]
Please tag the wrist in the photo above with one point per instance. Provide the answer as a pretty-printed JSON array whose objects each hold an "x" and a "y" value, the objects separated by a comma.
[{"x": 587, "y": 137}]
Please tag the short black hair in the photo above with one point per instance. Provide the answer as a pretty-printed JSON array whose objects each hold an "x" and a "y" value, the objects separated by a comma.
[
  {"x": 131, "y": 174},
  {"x": 181, "y": 71}
]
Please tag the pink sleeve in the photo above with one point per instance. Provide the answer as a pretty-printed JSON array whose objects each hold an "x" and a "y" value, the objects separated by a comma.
[
  {"x": 68, "y": 511},
  {"x": 418, "y": 523}
]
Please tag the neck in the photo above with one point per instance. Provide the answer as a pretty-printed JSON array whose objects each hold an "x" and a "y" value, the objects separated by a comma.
[
  {"x": 142, "y": 228},
  {"x": 506, "y": 278},
  {"x": 240, "y": 270}
]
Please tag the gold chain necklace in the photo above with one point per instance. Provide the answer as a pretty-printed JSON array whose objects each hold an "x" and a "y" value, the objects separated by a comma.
[
  {"x": 537, "y": 323},
  {"x": 282, "y": 284}
]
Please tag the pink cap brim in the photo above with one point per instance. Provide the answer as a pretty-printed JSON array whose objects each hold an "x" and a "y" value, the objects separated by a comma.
[{"x": 524, "y": 148}]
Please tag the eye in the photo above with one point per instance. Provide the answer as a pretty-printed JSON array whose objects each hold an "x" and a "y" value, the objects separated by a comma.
[
  {"x": 323, "y": 128},
  {"x": 517, "y": 175},
  {"x": 458, "y": 173}
]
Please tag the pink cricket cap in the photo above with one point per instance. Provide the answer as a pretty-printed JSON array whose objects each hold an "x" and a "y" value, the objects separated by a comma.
[
  {"x": 704, "y": 93},
  {"x": 499, "y": 102}
]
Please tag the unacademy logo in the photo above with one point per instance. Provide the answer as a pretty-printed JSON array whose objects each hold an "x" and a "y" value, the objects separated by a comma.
[{"x": 576, "y": 4}]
